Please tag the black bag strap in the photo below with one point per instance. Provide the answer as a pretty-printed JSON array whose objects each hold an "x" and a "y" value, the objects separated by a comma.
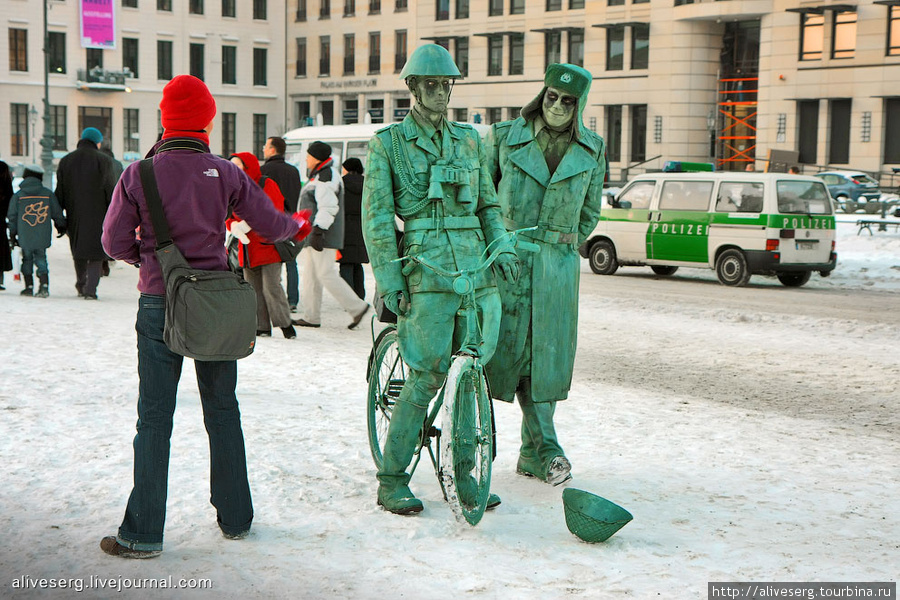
[{"x": 154, "y": 204}]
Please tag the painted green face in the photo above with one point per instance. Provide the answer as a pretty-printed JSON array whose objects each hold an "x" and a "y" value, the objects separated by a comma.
[
  {"x": 558, "y": 108},
  {"x": 434, "y": 92}
]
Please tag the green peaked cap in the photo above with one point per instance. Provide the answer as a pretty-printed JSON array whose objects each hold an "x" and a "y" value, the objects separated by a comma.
[{"x": 430, "y": 60}]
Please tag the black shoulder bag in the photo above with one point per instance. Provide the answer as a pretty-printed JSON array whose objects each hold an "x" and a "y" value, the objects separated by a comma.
[{"x": 210, "y": 315}]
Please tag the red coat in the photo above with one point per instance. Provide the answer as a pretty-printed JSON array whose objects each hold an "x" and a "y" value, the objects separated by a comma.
[{"x": 259, "y": 251}]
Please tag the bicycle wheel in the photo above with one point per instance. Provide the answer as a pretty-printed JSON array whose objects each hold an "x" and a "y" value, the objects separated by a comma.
[
  {"x": 386, "y": 376},
  {"x": 466, "y": 440}
]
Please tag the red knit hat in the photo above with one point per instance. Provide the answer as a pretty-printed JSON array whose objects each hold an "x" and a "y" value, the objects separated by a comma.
[{"x": 186, "y": 104}]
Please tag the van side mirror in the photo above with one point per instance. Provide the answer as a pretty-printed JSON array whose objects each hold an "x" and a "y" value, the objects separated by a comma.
[{"x": 621, "y": 204}]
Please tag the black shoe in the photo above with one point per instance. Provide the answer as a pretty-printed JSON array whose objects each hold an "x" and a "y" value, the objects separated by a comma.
[
  {"x": 236, "y": 536},
  {"x": 263, "y": 333},
  {"x": 80, "y": 291},
  {"x": 359, "y": 317},
  {"x": 114, "y": 548},
  {"x": 28, "y": 291},
  {"x": 289, "y": 332},
  {"x": 90, "y": 296},
  {"x": 43, "y": 291},
  {"x": 302, "y": 323},
  {"x": 293, "y": 308}
]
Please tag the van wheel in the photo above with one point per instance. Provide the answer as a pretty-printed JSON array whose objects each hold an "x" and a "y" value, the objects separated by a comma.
[
  {"x": 602, "y": 258},
  {"x": 794, "y": 279},
  {"x": 663, "y": 270},
  {"x": 731, "y": 268}
]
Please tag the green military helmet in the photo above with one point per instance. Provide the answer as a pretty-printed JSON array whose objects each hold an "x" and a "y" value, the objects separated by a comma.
[{"x": 430, "y": 60}]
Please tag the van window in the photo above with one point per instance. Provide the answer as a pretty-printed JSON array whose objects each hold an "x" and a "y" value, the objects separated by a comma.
[
  {"x": 639, "y": 194},
  {"x": 685, "y": 195},
  {"x": 358, "y": 150},
  {"x": 803, "y": 197},
  {"x": 740, "y": 196}
]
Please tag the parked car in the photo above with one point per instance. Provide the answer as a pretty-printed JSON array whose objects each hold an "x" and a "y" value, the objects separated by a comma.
[{"x": 852, "y": 190}]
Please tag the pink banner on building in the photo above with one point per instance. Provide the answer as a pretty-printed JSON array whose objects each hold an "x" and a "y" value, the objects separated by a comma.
[{"x": 98, "y": 24}]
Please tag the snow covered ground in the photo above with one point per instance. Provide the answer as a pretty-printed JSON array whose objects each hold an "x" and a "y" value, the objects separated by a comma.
[{"x": 744, "y": 455}]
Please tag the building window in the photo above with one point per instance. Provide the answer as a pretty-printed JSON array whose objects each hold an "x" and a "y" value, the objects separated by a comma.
[
  {"x": 301, "y": 11},
  {"x": 260, "y": 66},
  {"x": 18, "y": 129},
  {"x": 893, "y": 38},
  {"x": 513, "y": 112},
  {"x": 228, "y": 8},
  {"x": 58, "y": 127},
  {"x": 401, "y": 5},
  {"x": 196, "y": 60},
  {"x": 96, "y": 116},
  {"x": 839, "y": 132},
  {"x": 640, "y": 46},
  {"x": 808, "y": 131},
  {"x": 576, "y": 47},
  {"x": 56, "y": 57},
  {"x": 460, "y": 115},
  {"x": 259, "y": 134},
  {"x": 554, "y": 5},
  {"x": 613, "y": 116},
  {"x": 843, "y": 34},
  {"x": 130, "y": 55},
  {"x": 443, "y": 43},
  {"x": 349, "y": 54},
  {"x": 18, "y": 49},
  {"x": 574, "y": 4},
  {"x": 374, "y": 7},
  {"x": 376, "y": 110},
  {"x": 325, "y": 9},
  {"x": 494, "y": 115},
  {"x": 132, "y": 142},
  {"x": 300, "y": 65},
  {"x": 461, "y": 56},
  {"x": 892, "y": 130},
  {"x": 552, "y": 47},
  {"x": 638, "y": 132},
  {"x": 516, "y": 54},
  {"x": 401, "y": 108},
  {"x": 811, "y": 33},
  {"x": 399, "y": 50},
  {"x": 195, "y": 7},
  {"x": 304, "y": 116},
  {"x": 349, "y": 8},
  {"x": 260, "y": 10},
  {"x": 229, "y": 64},
  {"x": 495, "y": 55},
  {"x": 441, "y": 10},
  {"x": 462, "y": 9},
  {"x": 495, "y": 8},
  {"x": 229, "y": 133},
  {"x": 129, "y": 3},
  {"x": 622, "y": 2},
  {"x": 517, "y": 7},
  {"x": 164, "y": 5},
  {"x": 615, "y": 48},
  {"x": 324, "y": 56},
  {"x": 163, "y": 60},
  {"x": 350, "y": 112},
  {"x": 94, "y": 58},
  {"x": 374, "y": 53}
]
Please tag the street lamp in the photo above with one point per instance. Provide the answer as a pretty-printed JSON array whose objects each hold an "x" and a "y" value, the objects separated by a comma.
[{"x": 47, "y": 139}]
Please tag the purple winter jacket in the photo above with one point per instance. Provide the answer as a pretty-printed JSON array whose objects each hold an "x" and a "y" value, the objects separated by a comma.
[{"x": 197, "y": 191}]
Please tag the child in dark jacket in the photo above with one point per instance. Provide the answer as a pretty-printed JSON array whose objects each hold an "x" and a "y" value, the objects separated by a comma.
[{"x": 30, "y": 211}]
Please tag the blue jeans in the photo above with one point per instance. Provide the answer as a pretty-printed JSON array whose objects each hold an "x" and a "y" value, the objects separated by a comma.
[
  {"x": 34, "y": 258},
  {"x": 159, "y": 370},
  {"x": 293, "y": 282}
]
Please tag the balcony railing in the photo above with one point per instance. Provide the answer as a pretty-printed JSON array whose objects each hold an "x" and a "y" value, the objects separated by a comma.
[
  {"x": 101, "y": 79},
  {"x": 375, "y": 63}
]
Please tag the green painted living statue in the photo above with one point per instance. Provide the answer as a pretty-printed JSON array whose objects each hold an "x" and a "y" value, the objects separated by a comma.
[
  {"x": 431, "y": 173},
  {"x": 549, "y": 170}
]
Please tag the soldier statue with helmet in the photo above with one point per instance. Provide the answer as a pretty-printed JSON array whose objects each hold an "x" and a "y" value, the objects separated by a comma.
[{"x": 431, "y": 173}]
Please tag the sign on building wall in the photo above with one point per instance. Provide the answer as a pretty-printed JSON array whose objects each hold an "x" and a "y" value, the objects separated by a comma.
[{"x": 98, "y": 24}]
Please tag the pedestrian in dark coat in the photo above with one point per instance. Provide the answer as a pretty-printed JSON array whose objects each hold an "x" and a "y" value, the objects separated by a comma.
[
  {"x": 287, "y": 177},
  {"x": 84, "y": 184},
  {"x": 353, "y": 254},
  {"x": 6, "y": 193}
]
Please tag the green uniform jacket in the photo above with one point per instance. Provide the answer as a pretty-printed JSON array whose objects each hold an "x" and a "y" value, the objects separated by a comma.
[
  {"x": 447, "y": 223},
  {"x": 538, "y": 329}
]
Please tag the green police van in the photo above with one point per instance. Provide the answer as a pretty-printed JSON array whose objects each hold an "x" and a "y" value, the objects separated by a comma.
[{"x": 739, "y": 224}]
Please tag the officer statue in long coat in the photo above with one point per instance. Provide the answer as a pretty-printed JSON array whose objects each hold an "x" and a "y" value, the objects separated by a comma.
[
  {"x": 549, "y": 171},
  {"x": 431, "y": 173}
]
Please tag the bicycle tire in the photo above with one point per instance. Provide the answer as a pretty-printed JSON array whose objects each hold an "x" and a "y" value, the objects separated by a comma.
[
  {"x": 466, "y": 440},
  {"x": 386, "y": 376}
]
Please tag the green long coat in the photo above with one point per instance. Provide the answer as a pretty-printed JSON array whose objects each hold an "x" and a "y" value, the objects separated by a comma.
[{"x": 538, "y": 329}]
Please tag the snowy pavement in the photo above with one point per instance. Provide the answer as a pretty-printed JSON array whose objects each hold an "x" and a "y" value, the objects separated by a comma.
[{"x": 743, "y": 450}]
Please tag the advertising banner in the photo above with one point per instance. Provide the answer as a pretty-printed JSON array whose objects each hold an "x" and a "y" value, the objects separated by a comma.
[{"x": 98, "y": 24}]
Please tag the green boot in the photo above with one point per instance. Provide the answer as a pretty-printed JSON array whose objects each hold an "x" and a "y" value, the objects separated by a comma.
[
  {"x": 403, "y": 438},
  {"x": 541, "y": 455}
]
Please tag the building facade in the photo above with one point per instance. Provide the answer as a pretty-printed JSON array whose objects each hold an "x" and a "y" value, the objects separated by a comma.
[
  {"x": 236, "y": 47},
  {"x": 723, "y": 81}
]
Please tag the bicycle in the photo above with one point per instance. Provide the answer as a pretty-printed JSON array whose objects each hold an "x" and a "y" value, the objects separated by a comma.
[{"x": 460, "y": 418}]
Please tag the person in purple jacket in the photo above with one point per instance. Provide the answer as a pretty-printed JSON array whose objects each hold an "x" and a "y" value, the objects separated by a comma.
[{"x": 198, "y": 190}]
